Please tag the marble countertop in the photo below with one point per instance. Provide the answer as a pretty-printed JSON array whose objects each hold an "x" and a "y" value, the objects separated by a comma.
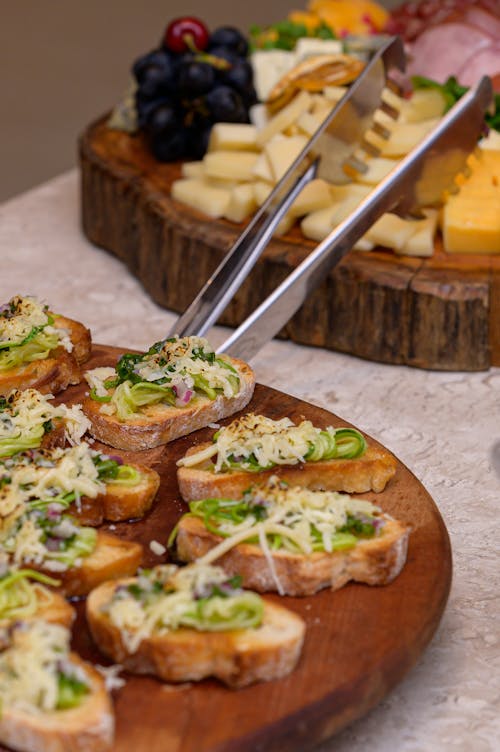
[{"x": 443, "y": 426}]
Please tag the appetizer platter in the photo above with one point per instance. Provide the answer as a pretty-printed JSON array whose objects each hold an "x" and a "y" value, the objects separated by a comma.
[
  {"x": 248, "y": 600},
  {"x": 173, "y": 177}
]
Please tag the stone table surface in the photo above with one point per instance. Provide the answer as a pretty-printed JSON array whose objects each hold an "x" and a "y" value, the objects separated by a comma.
[{"x": 443, "y": 426}]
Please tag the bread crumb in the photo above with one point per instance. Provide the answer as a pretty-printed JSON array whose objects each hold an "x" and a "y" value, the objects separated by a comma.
[
  {"x": 112, "y": 527},
  {"x": 157, "y": 548}
]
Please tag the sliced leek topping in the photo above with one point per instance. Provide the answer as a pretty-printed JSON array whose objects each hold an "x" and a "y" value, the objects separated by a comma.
[
  {"x": 166, "y": 598},
  {"x": 174, "y": 371},
  {"x": 255, "y": 443}
]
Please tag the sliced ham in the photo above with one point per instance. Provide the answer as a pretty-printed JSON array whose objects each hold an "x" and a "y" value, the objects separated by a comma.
[
  {"x": 484, "y": 21},
  {"x": 439, "y": 52},
  {"x": 486, "y": 62}
]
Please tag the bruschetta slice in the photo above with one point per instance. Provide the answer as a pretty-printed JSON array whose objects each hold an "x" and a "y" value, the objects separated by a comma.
[
  {"x": 92, "y": 485},
  {"x": 253, "y": 448},
  {"x": 51, "y": 700},
  {"x": 190, "y": 623},
  {"x": 29, "y": 420},
  {"x": 40, "y": 536},
  {"x": 38, "y": 348},
  {"x": 293, "y": 540},
  {"x": 26, "y": 595},
  {"x": 178, "y": 386}
]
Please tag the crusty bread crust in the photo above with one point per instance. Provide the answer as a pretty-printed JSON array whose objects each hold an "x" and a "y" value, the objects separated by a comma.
[
  {"x": 79, "y": 336},
  {"x": 58, "y": 371},
  {"x": 370, "y": 472},
  {"x": 159, "y": 424},
  {"x": 87, "y": 728},
  {"x": 237, "y": 657},
  {"x": 112, "y": 558},
  {"x": 374, "y": 561},
  {"x": 120, "y": 502},
  {"x": 49, "y": 376}
]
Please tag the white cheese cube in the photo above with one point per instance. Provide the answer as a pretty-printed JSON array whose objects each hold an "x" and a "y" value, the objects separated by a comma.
[
  {"x": 282, "y": 152},
  {"x": 205, "y": 198},
  {"x": 233, "y": 136},
  {"x": 262, "y": 168},
  {"x": 230, "y": 165},
  {"x": 285, "y": 117},
  {"x": 241, "y": 204},
  {"x": 261, "y": 191},
  {"x": 315, "y": 195},
  {"x": 192, "y": 169}
]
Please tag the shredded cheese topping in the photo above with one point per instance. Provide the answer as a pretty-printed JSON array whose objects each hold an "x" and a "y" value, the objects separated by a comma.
[
  {"x": 182, "y": 364},
  {"x": 271, "y": 442},
  {"x": 30, "y": 667},
  {"x": 24, "y": 413},
  {"x": 163, "y": 607},
  {"x": 50, "y": 473},
  {"x": 300, "y": 518},
  {"x": 21, "y": 315}
]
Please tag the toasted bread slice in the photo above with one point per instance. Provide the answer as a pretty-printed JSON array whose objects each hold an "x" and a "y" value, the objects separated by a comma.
[
  {"x": 236, "y": 657},
  {"x": 370, "y": 472},
  {"x": 158, "y": 424},
  {"x": 374, "y": 561},
  {"x": 59, "y": 370},
  {"x": 112, "y": 558},
  {"x": 49, "y": 376},
  {"x": 120, "y": 502},
  {"x": 88, "y": 727}
]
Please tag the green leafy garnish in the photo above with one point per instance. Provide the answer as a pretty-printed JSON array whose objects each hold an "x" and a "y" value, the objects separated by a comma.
[{"x": 284, "y": 35}]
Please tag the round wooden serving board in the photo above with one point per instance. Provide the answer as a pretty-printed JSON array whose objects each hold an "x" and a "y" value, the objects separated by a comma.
[
  {"x": 360, "y": 641},
  {"x": 441, "y": 312}
]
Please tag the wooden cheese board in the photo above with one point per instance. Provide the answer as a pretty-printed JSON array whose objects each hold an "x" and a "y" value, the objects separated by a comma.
[
  {"x": 360, "y": 640},
  {"x": 441, "y": 312}
]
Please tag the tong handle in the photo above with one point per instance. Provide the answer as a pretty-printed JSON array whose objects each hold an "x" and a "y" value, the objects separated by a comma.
[{"x": 454, "y": 136}]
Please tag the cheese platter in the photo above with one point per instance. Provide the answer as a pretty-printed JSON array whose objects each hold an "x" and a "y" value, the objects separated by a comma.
[{"x": 415, "y": 291}]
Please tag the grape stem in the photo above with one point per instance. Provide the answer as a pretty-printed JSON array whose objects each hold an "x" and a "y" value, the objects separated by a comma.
[{"x": 205, "y": 57}]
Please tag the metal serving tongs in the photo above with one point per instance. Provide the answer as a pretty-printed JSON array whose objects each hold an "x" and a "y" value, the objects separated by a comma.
[
  {"x": 419, "y": 179},
  {"x": 337, "y": 139}
]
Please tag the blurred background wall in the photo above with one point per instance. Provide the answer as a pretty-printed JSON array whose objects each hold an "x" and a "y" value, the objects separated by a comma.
[{"x": 65, "y": 62}]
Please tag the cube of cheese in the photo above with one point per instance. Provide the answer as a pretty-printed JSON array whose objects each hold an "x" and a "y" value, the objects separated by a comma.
[
  {"x": 230, "y": 165},
  {"x": 282, "y": 152},
  {"x": 421, "y": 243},
  {"x": 262, "y": 169},
  {"x": 471, "y": 218},
  {"x": 233, "y": 136},
  {"x": 315, "y": 195},
  {"x": 261, "y": 191},
  {"x": 285, "y": 117},
  {"x": 205, "y": 198},
  {"x": 192, "y": 169},
  {"x": 391, "y": 231},
  {"x": 242, "y": 203}
]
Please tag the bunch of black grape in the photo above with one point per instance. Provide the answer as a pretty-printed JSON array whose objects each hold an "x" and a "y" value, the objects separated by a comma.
[{"x": 193, "y": 80}]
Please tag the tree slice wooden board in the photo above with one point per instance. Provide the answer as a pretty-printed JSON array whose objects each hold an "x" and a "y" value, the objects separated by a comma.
[
  {"x": 441, "y": 312},
  {"x": 360, "y": 640}
]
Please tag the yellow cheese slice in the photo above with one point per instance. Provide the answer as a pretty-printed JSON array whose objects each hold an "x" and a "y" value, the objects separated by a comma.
[{"x": 471, "y": 218}]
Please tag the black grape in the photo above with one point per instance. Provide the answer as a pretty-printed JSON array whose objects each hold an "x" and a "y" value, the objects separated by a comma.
[
  {"x": 169, "y": 148},
  {"x": 228, "y": 36},
  {"x": 196, "y": 78}
]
